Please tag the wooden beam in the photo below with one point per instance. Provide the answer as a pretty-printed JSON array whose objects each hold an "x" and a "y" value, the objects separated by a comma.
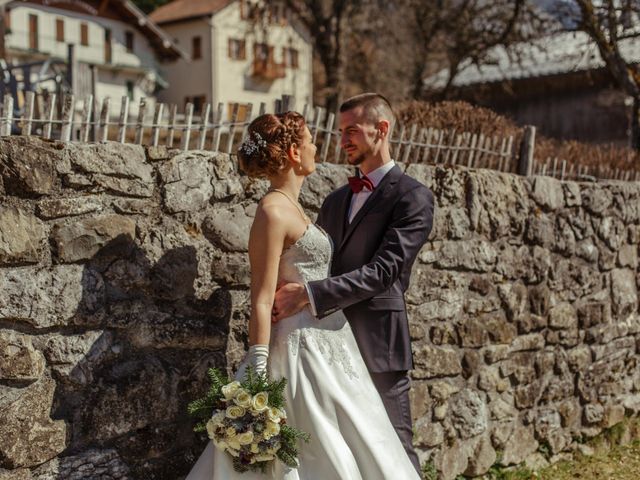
[{"x": 103, "y": 6}]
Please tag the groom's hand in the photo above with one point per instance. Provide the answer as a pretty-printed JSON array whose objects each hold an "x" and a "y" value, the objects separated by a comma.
[{"x": 290, "y": 299}]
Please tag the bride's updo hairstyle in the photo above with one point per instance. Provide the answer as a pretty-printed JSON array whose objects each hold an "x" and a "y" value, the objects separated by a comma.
[{"x": 264, "y": 151}]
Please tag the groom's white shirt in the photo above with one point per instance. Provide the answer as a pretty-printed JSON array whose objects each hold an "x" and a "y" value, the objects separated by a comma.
[{"x": 357, "y": 201}]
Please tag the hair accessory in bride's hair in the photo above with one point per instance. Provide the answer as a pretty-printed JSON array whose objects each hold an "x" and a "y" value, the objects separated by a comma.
[{"x": 253, "y": 143}]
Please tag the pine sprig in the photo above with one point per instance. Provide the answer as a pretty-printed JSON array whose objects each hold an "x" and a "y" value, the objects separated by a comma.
[
  {"x": 288, "y": 452},
  {"x": 202, "y": 408}
]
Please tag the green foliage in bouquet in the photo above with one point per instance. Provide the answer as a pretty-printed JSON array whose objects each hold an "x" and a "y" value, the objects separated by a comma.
[
  {"x": 202, "y": 408},
  {"x": 210, "y": 413}
]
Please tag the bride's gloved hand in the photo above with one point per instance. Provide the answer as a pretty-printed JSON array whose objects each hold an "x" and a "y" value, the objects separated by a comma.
[{"x": 256, "y": 357}]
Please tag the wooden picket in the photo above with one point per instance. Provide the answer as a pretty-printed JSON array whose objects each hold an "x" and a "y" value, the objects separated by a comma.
[{"x": 222, "y": 127}]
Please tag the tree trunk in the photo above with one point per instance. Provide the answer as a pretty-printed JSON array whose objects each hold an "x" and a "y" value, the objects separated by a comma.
[
  {"x": 334, "y": 80},
  {"x": 417, "y": 85},
  {"x": 635, "y": 124}
]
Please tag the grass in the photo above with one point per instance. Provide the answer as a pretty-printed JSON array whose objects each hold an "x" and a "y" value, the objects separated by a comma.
[
  {"x": 611, "y": 460},
  {"x": 622, "y": 462}
]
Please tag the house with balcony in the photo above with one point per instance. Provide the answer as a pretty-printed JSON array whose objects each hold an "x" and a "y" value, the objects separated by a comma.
[
  {"x": 234, "y": 58},
  {"x": 117, "y": 50}
]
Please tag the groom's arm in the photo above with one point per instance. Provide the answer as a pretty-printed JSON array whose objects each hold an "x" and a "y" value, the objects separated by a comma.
[{"x": 406, "y": 234}]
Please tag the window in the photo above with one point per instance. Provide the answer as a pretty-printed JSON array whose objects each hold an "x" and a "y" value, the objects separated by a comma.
[
  {"x": 198, "y": 102},
  {"x": 261, "y": 52},
  {"x": 84, "y": 34},
  {"x": 33, "y": 32},
  {"x": 196, "y": 48},
  {"x": 276, "y": 13},
  {"x": 59, "y": 30},
  {"x": 290, "y": 56},
  {"x": 128, "y": 40},
  {"x": 129, "y": 84},
  {"x": 108, "y": 54},
  {"x": 237, "y": 50}
]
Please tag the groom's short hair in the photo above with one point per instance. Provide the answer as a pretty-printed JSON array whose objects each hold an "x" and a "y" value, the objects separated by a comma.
[{"x": 375, "y": 106}]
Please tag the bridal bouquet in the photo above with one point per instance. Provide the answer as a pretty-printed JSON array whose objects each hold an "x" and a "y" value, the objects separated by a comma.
[{"x": 247, "y": 419}]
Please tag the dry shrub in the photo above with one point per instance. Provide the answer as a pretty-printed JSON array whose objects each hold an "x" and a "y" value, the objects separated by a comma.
[
  {"x": 464, "y": 117},
  {"x": 588, "y": 155}
]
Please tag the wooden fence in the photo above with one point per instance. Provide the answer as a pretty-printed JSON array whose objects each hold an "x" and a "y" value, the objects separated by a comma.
[{"x": 223, "y": 128}]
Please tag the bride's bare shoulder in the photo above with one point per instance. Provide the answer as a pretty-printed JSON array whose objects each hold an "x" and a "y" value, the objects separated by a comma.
[{"x": 272, "y": 216}]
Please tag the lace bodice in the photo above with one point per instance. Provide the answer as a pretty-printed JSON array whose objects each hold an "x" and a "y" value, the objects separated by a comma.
[{"x": 309, "y": 258}]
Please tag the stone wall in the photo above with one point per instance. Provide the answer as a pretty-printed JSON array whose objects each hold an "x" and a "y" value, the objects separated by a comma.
[{"x": 123, "y": 277}]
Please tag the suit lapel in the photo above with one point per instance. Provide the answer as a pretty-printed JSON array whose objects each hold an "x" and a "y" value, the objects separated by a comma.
[
  {"x": 343, "y": 211},
  {"x": 378, "y": 195}
]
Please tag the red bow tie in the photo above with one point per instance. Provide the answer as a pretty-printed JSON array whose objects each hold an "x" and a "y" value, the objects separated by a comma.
[{"x": 358, "y": 183}]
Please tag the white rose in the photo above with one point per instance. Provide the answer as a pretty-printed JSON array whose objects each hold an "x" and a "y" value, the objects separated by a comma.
[
  {"x": 260, "y": 402},
  {"x": 273, "y": 414},
  {"x": 219, "y": 417},
  {"x": 271, "y": 430},
  {"x": 234, "y": 451},
  {"x": 230, "y": 432},
  {"x": 235, "y": 411},
  {"x": 230, "y": 389},
  {"x": 233, "y": 443},
  {"x": 254, "y": 448},
  {"x": 245, "y": 438},
  {"x": 211, "y": 428},
  {"x": 242, "y": 398}
]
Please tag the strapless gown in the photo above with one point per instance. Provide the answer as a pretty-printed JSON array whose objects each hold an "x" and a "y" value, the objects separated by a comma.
[{"x": 329, "y": 392}]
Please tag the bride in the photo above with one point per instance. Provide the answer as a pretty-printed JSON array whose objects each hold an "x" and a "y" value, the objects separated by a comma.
[{"x": 329, "y": 393}]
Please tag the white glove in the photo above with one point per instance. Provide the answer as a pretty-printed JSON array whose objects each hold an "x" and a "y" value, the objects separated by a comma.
[{"x": 256, "y": 357}]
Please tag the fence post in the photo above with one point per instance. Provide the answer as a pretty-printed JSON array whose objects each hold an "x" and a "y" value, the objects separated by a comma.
[
  {"x": 8, "y": 115},
  {"x": 288, "y": 103},
  {"x": 527, "y": 147},
  {"x": 104, "y": 120},
  {"x": 85, "y": 124},
  {"x": 68, "y": 109},
  {"x": 157, "y": 118},
  {"x": 186, "y": 130},
  {"x": 142, "y": 109},
  {"x": 124, "y": 117},
  {"x": 27, "y": 116},
  {"x": 50, "y": 109}
]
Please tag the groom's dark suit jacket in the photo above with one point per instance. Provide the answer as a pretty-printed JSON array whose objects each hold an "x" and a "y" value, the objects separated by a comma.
[{"x": 371, "y": 265}]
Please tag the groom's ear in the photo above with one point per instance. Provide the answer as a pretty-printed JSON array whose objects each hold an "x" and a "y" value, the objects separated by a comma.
[{"x": 383, "y": 128}]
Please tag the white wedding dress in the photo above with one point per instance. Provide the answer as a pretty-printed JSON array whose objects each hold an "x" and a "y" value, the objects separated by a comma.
[{"x": 329, "y": 392}]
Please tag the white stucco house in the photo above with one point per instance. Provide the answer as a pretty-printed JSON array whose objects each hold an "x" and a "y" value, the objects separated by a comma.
[
  {"x": 118, "y": 49},
  {"x": 230, "y": 59}
]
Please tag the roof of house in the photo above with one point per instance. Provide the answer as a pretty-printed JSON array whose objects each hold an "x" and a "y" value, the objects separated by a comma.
[
  {"x": 183, "y": 9},
  {"x": 561, "y": 53}
]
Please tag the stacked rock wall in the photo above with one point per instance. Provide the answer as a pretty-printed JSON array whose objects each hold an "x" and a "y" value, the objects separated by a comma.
[{"x": 124, "y": 276}]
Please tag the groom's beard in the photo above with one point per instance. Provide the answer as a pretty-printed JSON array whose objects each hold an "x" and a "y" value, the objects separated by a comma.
[
  {"x": 359, "y": 158},
  {"x": 355, "y": 161}
]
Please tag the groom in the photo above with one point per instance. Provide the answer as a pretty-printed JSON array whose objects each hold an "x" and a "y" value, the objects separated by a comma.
[{"x": 378, "y": 223}]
